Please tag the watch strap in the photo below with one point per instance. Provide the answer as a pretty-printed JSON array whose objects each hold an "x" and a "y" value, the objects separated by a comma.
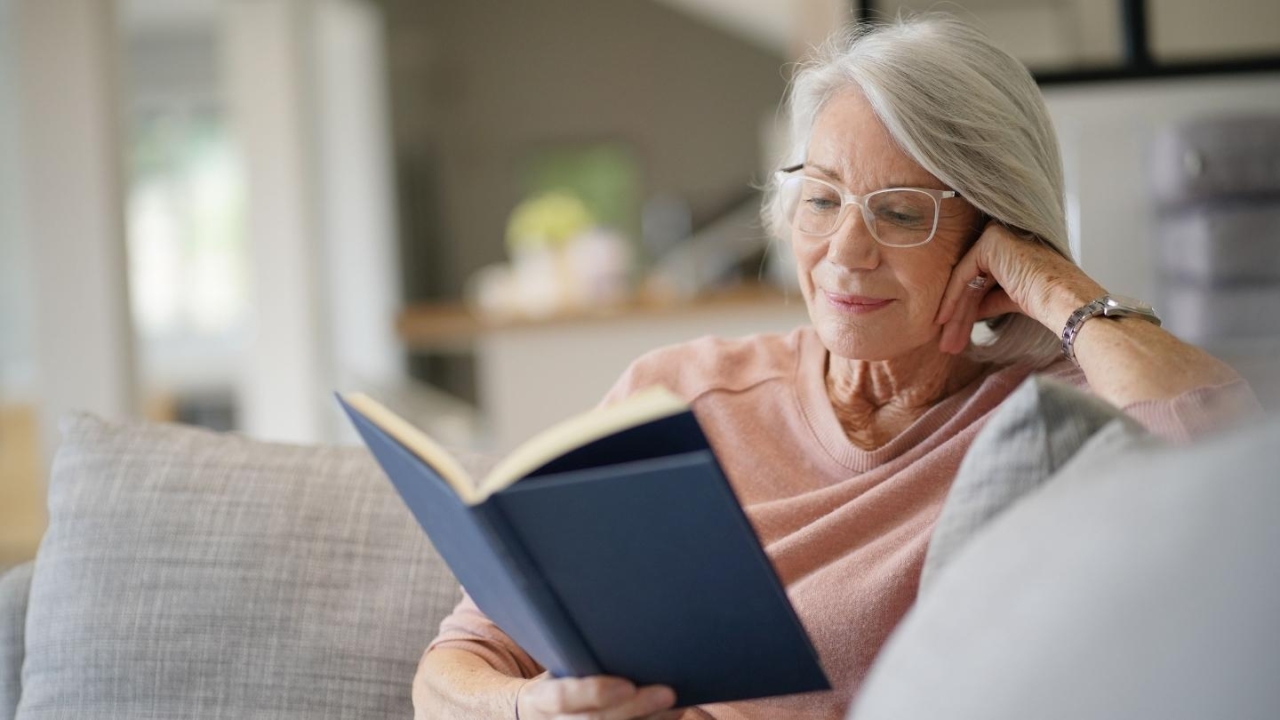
[
  {"x": 1075, "y": 322},
  {"x": 1113, "y": 306}
]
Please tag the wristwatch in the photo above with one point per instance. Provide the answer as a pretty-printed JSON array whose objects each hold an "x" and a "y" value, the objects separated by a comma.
[{"x": 1112, "y": 306}]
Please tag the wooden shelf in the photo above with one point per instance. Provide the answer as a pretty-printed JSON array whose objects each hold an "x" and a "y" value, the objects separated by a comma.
[{"x": 434, "y": 326}]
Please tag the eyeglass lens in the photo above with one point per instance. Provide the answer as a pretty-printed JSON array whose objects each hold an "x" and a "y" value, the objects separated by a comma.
[{"x": 894, "y": 217}]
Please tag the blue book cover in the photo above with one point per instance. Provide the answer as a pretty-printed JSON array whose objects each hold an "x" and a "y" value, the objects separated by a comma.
[{"x": 614, "y": 546}]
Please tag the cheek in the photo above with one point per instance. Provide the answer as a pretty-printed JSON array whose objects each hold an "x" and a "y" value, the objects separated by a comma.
[
  {"x": 807, "y": 254},
  {"x": 925, "y": 281},
  {"x": 928, "y": 274}
]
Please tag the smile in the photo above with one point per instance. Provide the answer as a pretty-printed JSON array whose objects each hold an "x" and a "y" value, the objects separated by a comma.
[{"x": 854, "y": 304}]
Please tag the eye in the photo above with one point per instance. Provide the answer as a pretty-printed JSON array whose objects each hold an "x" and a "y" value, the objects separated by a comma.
[
  {"x": 903, "y": 209},
  {"x": 822, "y": 203},
  {"x": 819, "y": 198},
  {"x": 901, "y": 217}
]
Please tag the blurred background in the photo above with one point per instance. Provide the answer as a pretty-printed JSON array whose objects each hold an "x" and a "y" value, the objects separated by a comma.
[{"x": 219, "y": 211}]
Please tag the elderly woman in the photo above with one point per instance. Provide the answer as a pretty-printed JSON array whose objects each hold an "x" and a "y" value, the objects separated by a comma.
[{"x": 923, "y": 194}]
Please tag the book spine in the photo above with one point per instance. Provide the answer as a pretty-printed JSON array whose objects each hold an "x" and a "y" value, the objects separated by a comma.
[{"x": 558, "y": 629}]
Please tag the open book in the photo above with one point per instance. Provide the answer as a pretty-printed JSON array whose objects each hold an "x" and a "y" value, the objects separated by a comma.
[{"x": 609, "y": 544}]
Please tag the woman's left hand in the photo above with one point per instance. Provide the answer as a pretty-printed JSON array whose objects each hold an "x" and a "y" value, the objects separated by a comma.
[{"x": 1023, "y": 275}]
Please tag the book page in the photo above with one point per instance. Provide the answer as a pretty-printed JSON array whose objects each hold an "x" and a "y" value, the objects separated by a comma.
[
  {"x": 642, "y": 407},
  {"x": 418, "y": 443}
]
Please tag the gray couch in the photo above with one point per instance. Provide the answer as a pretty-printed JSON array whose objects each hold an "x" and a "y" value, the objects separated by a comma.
[{"x": 1077, "y": 571}]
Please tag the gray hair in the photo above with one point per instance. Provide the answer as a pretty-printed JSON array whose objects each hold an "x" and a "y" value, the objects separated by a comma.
[{"x": 967, "y": 112}]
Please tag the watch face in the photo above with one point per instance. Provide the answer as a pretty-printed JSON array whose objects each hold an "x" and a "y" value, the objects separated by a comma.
[
  {"x": 1121, "y": 306},
  {"x": 1128, "y": 303}
]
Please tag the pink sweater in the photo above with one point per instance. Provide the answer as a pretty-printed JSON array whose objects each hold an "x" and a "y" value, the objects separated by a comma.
[{"x": 846, "y": 529}]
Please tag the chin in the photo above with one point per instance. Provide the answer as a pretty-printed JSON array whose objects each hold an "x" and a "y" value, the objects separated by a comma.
[
  {"x": 856, "y": 343},
  {"x": 871, "y": 342}
]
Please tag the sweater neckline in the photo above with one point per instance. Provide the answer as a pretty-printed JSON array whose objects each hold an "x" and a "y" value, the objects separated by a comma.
[{"x": 815, "y": 406}]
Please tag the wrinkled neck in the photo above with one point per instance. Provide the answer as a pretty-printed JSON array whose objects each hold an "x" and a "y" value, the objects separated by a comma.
[{"x": 875, "y": 400}]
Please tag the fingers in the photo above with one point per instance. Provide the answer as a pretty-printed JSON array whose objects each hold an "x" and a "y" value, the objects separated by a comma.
[
  {"x": 957, "y": 331},
  {"x": 974, "y": 292},
  {"x": 647, "y": 700},
  {"x": 984, "y": 305},
  {"x": 958, "y": 287},
  {"x": 565, "y": 695},
  {"x": 966, "y": 288},
  {"x": 996, "y": 303},
  {"x": 595, "y": 698}
]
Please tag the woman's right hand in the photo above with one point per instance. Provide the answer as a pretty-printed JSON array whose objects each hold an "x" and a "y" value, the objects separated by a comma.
[{"x": 601, "y": 697}]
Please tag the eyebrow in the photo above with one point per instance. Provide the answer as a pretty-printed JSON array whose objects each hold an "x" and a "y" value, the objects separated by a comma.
[{"x": 835, "y": 175}]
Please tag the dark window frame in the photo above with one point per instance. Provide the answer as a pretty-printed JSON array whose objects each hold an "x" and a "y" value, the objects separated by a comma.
[{"x": 1138, "y": 63}]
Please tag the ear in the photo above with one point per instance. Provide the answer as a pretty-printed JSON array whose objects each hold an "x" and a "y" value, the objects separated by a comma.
[{"x": 979, "y": 224}]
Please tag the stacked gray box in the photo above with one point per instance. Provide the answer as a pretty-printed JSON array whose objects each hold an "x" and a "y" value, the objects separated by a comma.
[{"x": 1217, "y": 187}]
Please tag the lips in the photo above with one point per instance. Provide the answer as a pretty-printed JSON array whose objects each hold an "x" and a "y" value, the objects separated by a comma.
[{"x": 856, "y": 304}]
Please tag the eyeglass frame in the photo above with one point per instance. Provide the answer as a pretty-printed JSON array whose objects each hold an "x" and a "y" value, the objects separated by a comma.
[{"x": 848, "y": 198}]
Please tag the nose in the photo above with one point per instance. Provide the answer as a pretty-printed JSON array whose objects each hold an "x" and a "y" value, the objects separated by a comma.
[{"x": 852, "y": 246}]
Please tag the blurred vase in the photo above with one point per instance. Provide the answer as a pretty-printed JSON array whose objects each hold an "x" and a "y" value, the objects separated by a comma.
[
  {"x": 491, "y": 291},
  {"x": 599, "y": 263},
  {"x": 540, "y": 281}
]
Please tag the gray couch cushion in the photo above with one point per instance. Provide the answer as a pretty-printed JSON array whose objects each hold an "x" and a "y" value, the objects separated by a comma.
[
  {"x": 1036, "y": 430},
  {"x": 191, "y": 574},
  {"x": 14, "y": 586},
  {"x": 1143, "y": 588}
]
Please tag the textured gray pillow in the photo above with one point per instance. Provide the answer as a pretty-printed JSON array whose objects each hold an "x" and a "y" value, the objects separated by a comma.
[
  {"x": 191, "y": 574},
  {"x": 1145, "y": 588},
  {"x": 1035, "y": 432},
  {"x": 15, "y": 585}
]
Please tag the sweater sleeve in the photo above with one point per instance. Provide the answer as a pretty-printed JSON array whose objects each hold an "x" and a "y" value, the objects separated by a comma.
[
  {"x": 1193, "y": 414},
  {"x": 1199, "y": 412},
  {"x": 469, "y": 629}
]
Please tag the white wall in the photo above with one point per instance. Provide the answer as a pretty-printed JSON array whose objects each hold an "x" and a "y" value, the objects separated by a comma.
[{"x": 16, "y": 352}]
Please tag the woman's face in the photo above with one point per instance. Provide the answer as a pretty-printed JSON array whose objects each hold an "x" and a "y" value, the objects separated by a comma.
[{"x": 868, "y": 301}]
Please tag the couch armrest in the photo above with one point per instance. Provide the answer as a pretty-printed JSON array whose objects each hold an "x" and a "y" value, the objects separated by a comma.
[{"x": 14, "y": 587}]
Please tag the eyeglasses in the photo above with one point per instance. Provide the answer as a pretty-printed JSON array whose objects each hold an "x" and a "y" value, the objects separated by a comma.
[{"x": 898, "y": 217}]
